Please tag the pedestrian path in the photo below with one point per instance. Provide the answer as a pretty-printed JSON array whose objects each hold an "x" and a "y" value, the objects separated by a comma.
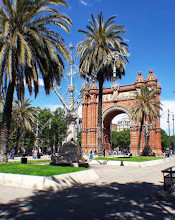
[{"x": 44, "y": 157}]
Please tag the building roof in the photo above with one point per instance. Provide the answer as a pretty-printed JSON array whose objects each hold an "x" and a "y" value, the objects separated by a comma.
[
  {"x": 151, "y": 76},
  {"x": 139, "y": 78}
]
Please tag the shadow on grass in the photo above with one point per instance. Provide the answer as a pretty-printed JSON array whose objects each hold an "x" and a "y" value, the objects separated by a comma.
[{"x": 111, "y": 201}]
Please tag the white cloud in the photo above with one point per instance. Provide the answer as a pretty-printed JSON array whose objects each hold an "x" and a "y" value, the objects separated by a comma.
[
  {"x": 54, "y": 107},
  {"x": 167, "y": 104},
  {"x": 89, "y": 3},
  {"x": 83, "y": 2},
  {"x": 41, "y": 82},
  {"x": 80, "y": 111}
]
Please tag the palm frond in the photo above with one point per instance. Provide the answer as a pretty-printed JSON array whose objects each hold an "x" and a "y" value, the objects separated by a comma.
[{"x": 101, "y": 37}]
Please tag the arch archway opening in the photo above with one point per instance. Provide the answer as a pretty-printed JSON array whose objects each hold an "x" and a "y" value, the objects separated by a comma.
[
  {"x": 120, "y": 134},
  {"x": 116, "y": 123}
]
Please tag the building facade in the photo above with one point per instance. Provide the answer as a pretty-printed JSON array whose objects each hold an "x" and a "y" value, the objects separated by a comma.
[{"x": 122, "y": 124}]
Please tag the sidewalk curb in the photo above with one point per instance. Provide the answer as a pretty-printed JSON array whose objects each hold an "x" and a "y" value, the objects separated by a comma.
[
  {"x": 129, "y": 163},
  {"x": 57, "y": 182}
]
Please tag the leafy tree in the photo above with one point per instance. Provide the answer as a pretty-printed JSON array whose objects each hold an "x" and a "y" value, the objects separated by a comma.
[
  {"x": 29, "y": 47},
  {"x": 164, "y": 140},
  {"x": 53, "y": 129},
  {"x": 44, "y": 126},
  {"x": 28, "y": 141},
  {"x": 102, "y": 38},
  {"x": 79, "y": 138},
  {"x": 146, "y": 109},
  {"x": 172, "y": 141},
  {"x": 121, "y": 139},
  {"x": 23, "y": 119},
  {"x": 58, "y": 128}
]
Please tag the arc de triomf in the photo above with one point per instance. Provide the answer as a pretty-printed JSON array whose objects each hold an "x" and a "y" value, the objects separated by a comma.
[{"x": 117, "y": 100}]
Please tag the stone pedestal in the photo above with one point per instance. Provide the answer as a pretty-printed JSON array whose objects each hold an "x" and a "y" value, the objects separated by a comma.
[{"x": 71, "y": 128}]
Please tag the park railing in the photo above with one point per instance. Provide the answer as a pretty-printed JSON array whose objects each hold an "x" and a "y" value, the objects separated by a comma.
[{"x": 169, "y": 178}]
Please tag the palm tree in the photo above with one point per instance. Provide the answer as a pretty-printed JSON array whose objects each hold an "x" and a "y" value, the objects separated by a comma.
[
  {"x": 102, "y": 38},
  {"x": 23, "y": 119},
  {"x": 146, "y": 108},
  {"x": 29, "y": 47}
]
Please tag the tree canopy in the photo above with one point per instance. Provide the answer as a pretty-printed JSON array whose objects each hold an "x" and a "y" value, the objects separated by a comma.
[
  {"x": 29, "y": 47},
  {"x": 121, "y": 139}
]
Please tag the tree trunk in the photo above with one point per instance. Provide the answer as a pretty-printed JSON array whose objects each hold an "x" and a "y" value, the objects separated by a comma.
[
  {"x": 99, "y": 124},
  {"x": 17, "y": 141},
  {"x": 7, "y": 114},
  {"x": 147, "y": 150},
  {"x": 140, "y": 134}
]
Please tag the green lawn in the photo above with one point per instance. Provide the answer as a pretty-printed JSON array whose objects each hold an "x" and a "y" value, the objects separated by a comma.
[
  {"x": 134, "y": 159},
  {"x": 37, "y": 170},
  {"x": 37, "y": 161}
]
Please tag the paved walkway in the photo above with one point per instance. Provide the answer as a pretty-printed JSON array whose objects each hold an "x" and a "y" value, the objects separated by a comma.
[
  {"x": 119, "y": 193},
  {"x": 44, "y": 157}
]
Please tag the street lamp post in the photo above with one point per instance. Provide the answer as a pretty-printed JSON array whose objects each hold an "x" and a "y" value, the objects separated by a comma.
[
  {"x": 37, "y": 131},
  {"x": 173, "y": 135},
  {"x": 169, "y": 131}
]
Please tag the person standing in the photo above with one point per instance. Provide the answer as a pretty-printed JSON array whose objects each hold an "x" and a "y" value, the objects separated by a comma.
[
  {"x": 91, "y": 155},
  {"x": 35, "y": 153},
  {"x": 13, "y": 153},
  {"x": 104, "y": 152}
]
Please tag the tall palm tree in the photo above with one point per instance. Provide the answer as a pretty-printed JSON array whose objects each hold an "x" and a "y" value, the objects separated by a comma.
[
  {"x": 102, "y": 38},
  {"x": 23, "y": 119},
  {"x": 29, "y": 47},
  {"x": 146, "y": 108}
]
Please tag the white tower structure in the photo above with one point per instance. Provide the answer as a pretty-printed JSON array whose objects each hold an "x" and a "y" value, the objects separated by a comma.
[{"x": 71, "y": 107}]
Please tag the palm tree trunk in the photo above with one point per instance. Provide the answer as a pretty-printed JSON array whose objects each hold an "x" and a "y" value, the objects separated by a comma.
[
  {"x": 17, "y": 141},
  {"x": 147, "y": 150},
  {"x": 99, "y": 124},
  {"x": 140, "y": 134},
  {"x": 7, "y": 114}
]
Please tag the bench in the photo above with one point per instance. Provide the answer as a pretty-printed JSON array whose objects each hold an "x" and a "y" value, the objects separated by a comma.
[{"x": 169, "y": 178}]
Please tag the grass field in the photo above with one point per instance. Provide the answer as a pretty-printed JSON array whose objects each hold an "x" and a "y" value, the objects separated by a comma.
[
  {"x": 134, "y": 159},
  {"x": 37, "y": 161},
  {"x": 37, "y": 170}
]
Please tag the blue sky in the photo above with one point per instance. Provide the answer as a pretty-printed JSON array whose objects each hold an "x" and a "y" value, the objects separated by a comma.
[{"x": 150, "y": 26}]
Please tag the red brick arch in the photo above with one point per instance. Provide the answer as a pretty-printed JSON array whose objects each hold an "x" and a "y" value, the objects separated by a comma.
[{"x": 116, "y": 100}]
